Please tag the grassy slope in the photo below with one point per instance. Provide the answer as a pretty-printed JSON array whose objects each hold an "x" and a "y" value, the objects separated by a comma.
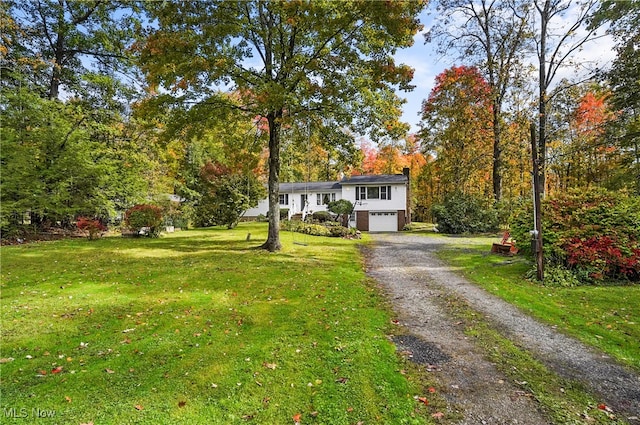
[
  {"x": 196, "y": 327},
  {"x": 605, "y": 317}
]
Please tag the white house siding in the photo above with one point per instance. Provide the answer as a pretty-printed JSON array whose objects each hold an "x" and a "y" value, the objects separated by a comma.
[{"x": 380, "y": 215}]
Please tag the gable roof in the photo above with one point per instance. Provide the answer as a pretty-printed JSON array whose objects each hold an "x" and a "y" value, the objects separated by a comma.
[{"x": 376, "y": 179}]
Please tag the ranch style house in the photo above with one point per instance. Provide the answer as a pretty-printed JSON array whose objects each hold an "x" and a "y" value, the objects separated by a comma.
[{"x": 381, "y": 202}]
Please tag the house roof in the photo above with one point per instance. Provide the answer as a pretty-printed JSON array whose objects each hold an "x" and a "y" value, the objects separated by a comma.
[
  {"x": 376, "y": 179},
  {"x": 309, "y": 187},
  {"x": 336, "y": 186}
]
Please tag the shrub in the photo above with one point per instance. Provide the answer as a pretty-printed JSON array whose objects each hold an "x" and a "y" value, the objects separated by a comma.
[
  {"x": 595, "y": 233},
  {"x": 93, "y": 228},
  {"x": 321, "y": 216},
  {"x": 306, "y": 228},
  {"x": 332, "y": 229},
  {"x": 460, "y": 213},
  {"x": 341, "y": 208},
  {"x": 144, "y": 216}
]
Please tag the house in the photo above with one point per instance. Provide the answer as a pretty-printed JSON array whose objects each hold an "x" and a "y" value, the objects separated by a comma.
[{"x": 381, "y": 202}]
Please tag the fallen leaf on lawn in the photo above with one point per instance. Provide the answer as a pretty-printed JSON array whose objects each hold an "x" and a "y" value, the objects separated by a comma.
[
  {"x": 604, "y": 407},
  {"x": 67, "y": 398},
  {"x": 296, "y": 418},
  {"x": 56, "y": 370},
  {"x": 432, "y": 390},
  {"x": 438, "y": 415},
  {"x": 138, "y": 407},
  {"x": 42, "y": 372},
  {"x": 109, "y": 370},
  {"x": 182, "y": 403},
  {"x": 349, "y": 409},
  {"x": 271, "y": 366},
  {"x": 342, "y": 380},
  {"x": 423, "y": 400},
  {"x": 6, "y": 359}
]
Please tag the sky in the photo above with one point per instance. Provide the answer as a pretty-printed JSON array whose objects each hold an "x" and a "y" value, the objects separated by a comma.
[{"x": 428, "y": 64}]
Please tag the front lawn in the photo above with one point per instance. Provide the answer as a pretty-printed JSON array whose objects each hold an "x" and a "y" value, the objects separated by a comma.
[
  {"x": 607, "y": 317},
  {"x": 196, "y": 327}
]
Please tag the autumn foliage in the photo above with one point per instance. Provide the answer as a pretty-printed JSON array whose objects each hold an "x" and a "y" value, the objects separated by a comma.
[
  {"x": 144, "y": 216},
  {"x": 593, "y": 233},
  {"x": 93, "y": 228}
]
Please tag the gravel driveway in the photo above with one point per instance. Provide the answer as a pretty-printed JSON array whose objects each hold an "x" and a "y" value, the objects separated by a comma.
[{"x": 417, "y": 282}]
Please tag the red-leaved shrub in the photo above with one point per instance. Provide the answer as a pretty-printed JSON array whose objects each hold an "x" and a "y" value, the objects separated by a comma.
[
  {"x": 144, "y": 216},
  {"x": 93, "y": 228}
]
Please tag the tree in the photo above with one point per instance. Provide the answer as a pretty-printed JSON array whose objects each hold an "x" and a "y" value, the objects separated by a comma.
[
  {"x": 456, "y": 129},
  {"x": 67, "y": 149},
  {"x": 494, "y": 37},
  {"x": 555, "y": 51},
  {"x": 287, "y": 61},
  {"x": 579, "y": 156},
  {"x": 226, "y": 195},
  {"x": 623, "y": 18},
  {"x": 74, "y": 40},
  {"x": 342, "y": 208}
]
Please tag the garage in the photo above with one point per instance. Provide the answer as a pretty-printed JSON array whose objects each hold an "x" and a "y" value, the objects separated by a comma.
[{"x": 383, "y": 221}]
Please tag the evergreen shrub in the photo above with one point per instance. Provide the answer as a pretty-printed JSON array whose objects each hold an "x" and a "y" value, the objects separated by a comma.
[{"x": 461, "y": 213}]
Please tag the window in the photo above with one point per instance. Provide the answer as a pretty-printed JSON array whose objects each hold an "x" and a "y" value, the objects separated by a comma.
[
  {"x": 325, "y": 198},
  {"x": 385, "y": 192},
  {"x": 283, "y": 199},
  {"x": 373, "y": 192}
]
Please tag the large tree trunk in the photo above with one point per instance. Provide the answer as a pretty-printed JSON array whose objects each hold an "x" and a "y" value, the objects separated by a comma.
[{"x": 273, "y": 239}]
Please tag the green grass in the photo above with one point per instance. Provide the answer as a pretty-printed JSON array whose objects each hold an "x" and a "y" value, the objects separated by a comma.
[
  {"x": 606, "y": 317},
  {"x": 197, "y": 327}
]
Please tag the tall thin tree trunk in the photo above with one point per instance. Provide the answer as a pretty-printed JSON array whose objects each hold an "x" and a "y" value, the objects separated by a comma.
[
  {"x": 542, "y": 105},
  {"x": 497, "y": 155}
]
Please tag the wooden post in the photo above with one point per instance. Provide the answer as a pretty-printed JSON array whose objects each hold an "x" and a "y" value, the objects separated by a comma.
[{"x": 536, "y": 206}]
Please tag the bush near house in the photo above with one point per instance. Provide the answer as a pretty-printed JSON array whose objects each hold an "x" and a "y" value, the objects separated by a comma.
[
  {"x": 594, "y": 233},
  {"x": 329, "y": 228},
  {"x": 321, "y": 216},
  {"x": 462, "y": 213},
  {"x": 144, "y": 216}
]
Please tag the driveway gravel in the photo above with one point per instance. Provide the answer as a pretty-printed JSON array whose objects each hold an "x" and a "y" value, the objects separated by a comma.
[{"x": 417, "y": 283}]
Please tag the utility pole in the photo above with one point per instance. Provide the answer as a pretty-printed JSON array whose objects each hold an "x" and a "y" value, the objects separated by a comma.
[{"x": 537, "y": 215}]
